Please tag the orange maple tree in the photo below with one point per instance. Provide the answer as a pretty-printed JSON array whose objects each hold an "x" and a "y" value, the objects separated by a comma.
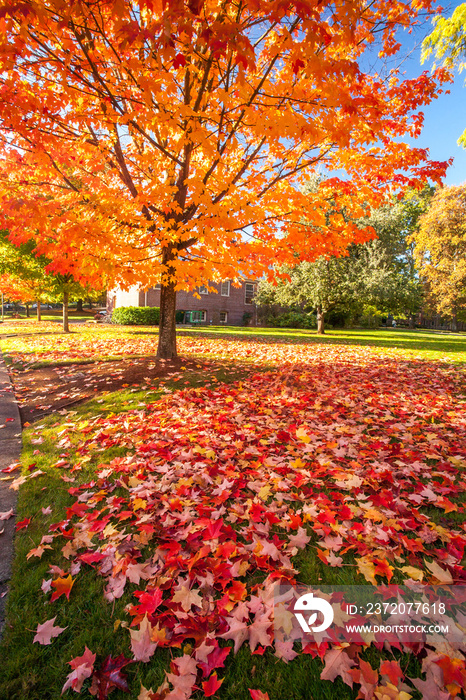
[{"x": 169, "y": 141}]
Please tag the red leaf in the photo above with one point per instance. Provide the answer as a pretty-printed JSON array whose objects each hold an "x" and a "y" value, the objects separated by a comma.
[
  {"x": 109, "y": 676},
  {"x": 211, "y": 686},
  {"x": 297, "y": 65},
  {"x": 23, "y": 524},
  {"x": 179, "y": 61}
]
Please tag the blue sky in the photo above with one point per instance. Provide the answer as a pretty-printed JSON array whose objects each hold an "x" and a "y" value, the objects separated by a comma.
[{"x": 445, "y": 118}]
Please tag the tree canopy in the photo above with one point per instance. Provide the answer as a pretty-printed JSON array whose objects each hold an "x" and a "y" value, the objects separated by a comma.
[
  {"x": 448, "y": 42},
  {"x": 440, "y": 249},
  {"x": 379, "y": 273},
  {"x": 27, "y": 276},
  {"x": 168, "y": 142}
]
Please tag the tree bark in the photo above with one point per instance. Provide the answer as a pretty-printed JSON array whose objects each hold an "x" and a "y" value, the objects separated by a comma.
[
  {"x": 66, "y": 325},
  {"x": 79, "y": 305},
  {"x": 38, "y": 310},
  {"x": 320, "y": 321},
  {"x": 27, "y": 310},
  {"x": 167, "y": 326}
]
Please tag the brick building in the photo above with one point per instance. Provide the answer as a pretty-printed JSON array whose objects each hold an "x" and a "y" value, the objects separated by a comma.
[{"x": 228, "y": 305}]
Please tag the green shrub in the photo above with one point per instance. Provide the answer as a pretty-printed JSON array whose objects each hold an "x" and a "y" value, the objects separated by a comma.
[
  {"x": 371, "y": 317},
  {"x": 292, "y": 319},
  {"x": 136, "y": 315}
]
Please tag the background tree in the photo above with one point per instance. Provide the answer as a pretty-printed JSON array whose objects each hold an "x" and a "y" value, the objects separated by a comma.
[
  {"x": 448, "y": 42},
  {"x": 396, "y": 288},
  {"x": 25, "y": 270},
  {"x": 379, "y": 273},
  {"x": 169, "y": 141},
  {"x": 440, "y": 250},
  {"x": 30, "y": 275}
]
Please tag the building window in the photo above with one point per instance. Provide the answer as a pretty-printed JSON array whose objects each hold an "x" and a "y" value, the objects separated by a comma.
[
  {"x": 158, "y": 286},
  {"x": 225, "y": 289},
  {"x": 248, "y": 293},
  {"x": 203, "y": 290},
  {"x": 223, "y": 316}
]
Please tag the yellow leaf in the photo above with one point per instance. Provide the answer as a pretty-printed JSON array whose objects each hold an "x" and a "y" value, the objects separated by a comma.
[
  {"x": 440, "y": 574},
  {"x": 367, "y": 569},
  {"x": 303, "y": 435},
  {"x": 265, "y": 492},
  {"x": 139, "y": 504},
  {"x": 413, "y": 573}
]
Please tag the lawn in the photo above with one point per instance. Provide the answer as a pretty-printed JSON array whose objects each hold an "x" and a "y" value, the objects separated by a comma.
[{"x": 154, "y": 522}]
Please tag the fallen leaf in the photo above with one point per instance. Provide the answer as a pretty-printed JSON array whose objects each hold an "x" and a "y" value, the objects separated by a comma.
[{"x": 47, "y": 631}]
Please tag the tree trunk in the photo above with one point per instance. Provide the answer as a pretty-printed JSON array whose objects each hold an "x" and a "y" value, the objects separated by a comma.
[
  {"x": 89, "y": 303},
  {"x": 167, "y": 327},
  {"x": 411, "y": 321},
  {"x": 38, "y": 310},
  {"x": 320, "y": 321},
  {"x": 27, "y": 310},
  {"x": 79, "y": 305},
  {"x": 66, "y": 325}
]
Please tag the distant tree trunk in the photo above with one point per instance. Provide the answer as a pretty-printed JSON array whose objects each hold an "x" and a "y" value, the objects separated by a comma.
[
  {"x": 39, "y": 317},
  {"x": 320, "y": 321},
  {"x": 27, "y": 310},
  {"x": 66, "y": 325},
  {"x": 411, "y": 321},
  {"x": 167, "y": 327},
  {"x": 89, "y": 303},
  {"x": 79, "y": 305}
]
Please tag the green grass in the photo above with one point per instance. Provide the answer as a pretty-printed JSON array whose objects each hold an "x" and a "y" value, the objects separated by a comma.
[{"x": 422, "y": 344}]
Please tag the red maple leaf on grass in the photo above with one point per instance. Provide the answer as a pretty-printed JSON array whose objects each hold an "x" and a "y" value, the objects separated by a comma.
[
  {"x": 83, "y": 667},
  {"x": 109, "y": 677}
]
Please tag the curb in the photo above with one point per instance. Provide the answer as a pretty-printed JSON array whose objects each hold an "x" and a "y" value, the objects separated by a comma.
[{"x": 10, "y": 452}]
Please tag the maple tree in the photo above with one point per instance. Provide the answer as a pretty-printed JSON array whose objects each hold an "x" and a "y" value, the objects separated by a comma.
[
  {"x": 167, "y": 142},
  {"x": 440, "y": 250},
  {"x": 30, "y": 277},
  {"x": 447, "y": 42},
  {"x": 25, "y": 271}
]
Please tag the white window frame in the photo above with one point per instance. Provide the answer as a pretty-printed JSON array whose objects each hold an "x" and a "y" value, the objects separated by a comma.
[
  {"x": 225, "y": 313},
  {"x": 203, "y": 289},
  {"x": 222, "y": 292},
  {"x": 158, "y": 287},
  {"x": 246, "y": 296}
]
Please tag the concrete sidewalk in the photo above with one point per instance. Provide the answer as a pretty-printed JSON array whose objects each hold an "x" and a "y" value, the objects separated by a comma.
[{"x": 10, "y": 451}]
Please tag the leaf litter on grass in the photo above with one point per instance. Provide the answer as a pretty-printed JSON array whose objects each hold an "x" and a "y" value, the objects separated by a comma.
[{"x": 221, "y": 490}]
